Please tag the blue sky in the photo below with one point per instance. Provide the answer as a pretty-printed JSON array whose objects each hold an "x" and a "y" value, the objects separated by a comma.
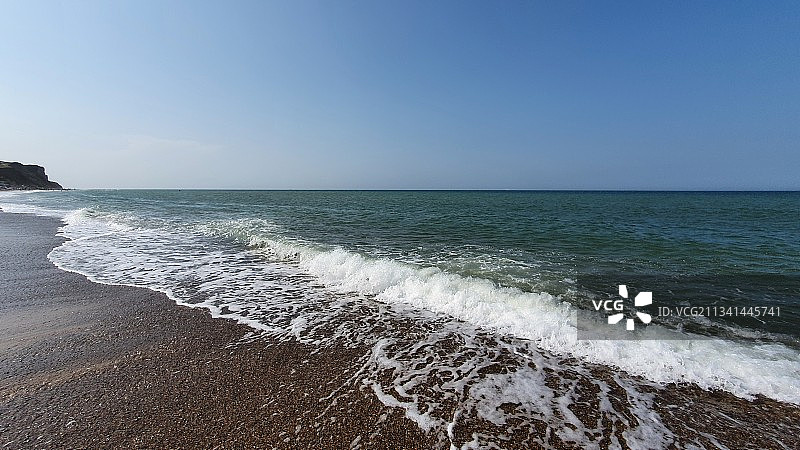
[{"x": 442, "y": 95}]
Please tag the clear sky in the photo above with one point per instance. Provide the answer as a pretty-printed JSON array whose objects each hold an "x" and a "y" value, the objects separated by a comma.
[{"x": 429, "y": 94}]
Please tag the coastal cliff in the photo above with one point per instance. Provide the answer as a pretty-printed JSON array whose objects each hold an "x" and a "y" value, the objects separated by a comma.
[{"x": 17, "y": 176}]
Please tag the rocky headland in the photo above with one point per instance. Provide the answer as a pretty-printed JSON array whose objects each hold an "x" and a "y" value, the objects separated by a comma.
[{"x": 18, "y": 176}]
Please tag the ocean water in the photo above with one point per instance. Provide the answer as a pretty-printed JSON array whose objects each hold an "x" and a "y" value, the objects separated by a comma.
[{"x": 447, "y": 286}]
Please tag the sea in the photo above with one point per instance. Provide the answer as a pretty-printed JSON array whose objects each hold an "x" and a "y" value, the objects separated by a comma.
[{"x": 475, "y": 298}]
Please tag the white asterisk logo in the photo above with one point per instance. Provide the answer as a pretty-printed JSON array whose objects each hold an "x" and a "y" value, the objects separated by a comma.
[{"x": 641, "y": 299}]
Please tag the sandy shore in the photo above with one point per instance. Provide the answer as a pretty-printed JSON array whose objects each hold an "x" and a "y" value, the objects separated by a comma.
[{"x": 90, "y": 365}]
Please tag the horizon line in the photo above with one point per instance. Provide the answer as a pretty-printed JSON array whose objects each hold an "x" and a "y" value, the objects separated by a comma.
[{"x": 422, "y": 190}]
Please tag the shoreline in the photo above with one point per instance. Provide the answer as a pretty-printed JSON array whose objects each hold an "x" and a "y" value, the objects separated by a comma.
[
  {"x": 85, "y": 364},
  {"x": 89, "y": 364}
]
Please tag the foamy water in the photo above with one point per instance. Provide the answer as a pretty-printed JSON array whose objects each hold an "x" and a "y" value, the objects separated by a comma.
[{"x": 436, "y": 339}]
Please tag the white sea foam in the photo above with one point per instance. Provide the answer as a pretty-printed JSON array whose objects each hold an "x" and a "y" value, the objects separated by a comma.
[
  {"x": 501, "y": 350},
  {"x": 740, "y": 368},
  {"x": 22, "y": 208}
]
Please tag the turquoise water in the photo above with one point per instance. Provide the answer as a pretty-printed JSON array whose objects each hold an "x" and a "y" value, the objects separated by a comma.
[{"x": 689, "y": 248}]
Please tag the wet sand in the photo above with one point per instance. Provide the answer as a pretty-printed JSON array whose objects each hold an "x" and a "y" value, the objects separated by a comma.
[{"x": 89, "y": 365}]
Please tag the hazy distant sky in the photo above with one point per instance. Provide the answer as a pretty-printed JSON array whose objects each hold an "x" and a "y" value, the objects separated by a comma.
[{"x": 429, "y": 94}]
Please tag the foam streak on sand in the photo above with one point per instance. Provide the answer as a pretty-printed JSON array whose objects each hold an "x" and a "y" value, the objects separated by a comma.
[{"x": 444, "y": 347}]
